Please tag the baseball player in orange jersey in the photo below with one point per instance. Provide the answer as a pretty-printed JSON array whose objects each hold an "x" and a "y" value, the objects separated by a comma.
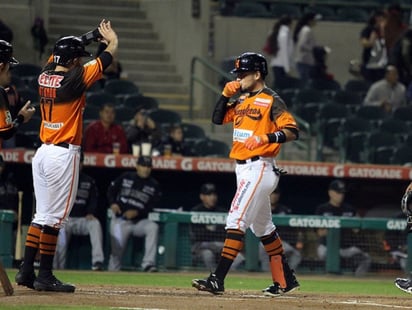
[
  {"x": 8, "y": 126},
  {"x": 261, "y": 123},
  {"x": 62, "y": 85}
]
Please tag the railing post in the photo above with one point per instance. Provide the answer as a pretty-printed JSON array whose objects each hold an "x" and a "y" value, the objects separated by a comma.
[
  {"x": 170, "y": 242},
  {"x": 251, "y": 251},
  {"x": 332, "y": 254}
]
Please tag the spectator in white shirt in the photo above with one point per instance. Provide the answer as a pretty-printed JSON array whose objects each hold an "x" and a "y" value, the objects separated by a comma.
[
  {"x": 388, "y": 92},
  {"x": 280, "y": 45},
  {"x": 304, "y": 40}
]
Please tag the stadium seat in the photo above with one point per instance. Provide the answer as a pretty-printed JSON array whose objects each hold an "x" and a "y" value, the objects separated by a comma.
[
  {"x": 165, "y": 118},
  {"x": 396, "y": 127},
  {"x": 402, "y": 155},
  {"x": 134, "y": 101},
  {"x": 327, "y": 12},
  {"x": 357, "y": 85},
  {"x": 324, "y": 85},
  {"x": 251, "y": 9},
  {"x": 348, "y": 98},
  {"x": 306, "y": 95},
  {"x": 354, "y": 147},
  {"x": 383, "y": 155},
  {"x": 193, "y": 132},
  {"x": 372, "y": 113},
  {"x": 211, "y": 148},
  {"x": 349, "y": 126},
  {"x": 377, "y": 140},
  {"x": 290, "y": 82},
  {"x": 352, "y": 14},
  {"x": 99, "y": 98},
  {"x": 403, "y": 113},
  {"x": 121, "y": 88},
  {"x": 91, "y": 112},
  {"x": 279, "y": 9}
]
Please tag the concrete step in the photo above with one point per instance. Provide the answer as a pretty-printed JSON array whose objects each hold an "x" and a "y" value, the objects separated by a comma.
[
  {"x": 108, "y": 12},
  {"x": 153, "y": 76},
  {"x": 138, "y": 55},
  {"x": 143, "y": 57},
  {"x": 141, "y": 66},
  {"x": 117, "y": 22},
  {"x": 99, "y": 3},
  {"x": 122, "y": 32},
  {"x": 168, "y": 88}
]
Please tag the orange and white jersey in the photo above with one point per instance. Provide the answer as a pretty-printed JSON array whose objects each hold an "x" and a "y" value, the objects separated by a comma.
[
  {"x": 62, "y": 100},
  {"x": 6, "y": 121},
  {"x": 262, "y": 113}
]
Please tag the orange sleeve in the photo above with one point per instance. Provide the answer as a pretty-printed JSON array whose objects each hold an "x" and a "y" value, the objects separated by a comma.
[{"x": 285, "y": 119}]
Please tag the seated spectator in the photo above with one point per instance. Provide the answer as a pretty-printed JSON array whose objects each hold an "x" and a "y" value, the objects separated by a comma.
[
  {"x": 82, "y": 222},
  {"x": 104, "y": 136},
  {"x": 349, "y": 248},
  {"x": 131, "y": 197},
  {"x": 208, "y": 239},
  {"x": 142, "y": 129},
  {"x": 175, "y": 144},
  {"x": 387, "y": 93},
  {"x": 290, "y": 239}
]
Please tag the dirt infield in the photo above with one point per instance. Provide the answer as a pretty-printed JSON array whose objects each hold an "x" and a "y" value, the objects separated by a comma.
[{"x": 133, "y": 297}]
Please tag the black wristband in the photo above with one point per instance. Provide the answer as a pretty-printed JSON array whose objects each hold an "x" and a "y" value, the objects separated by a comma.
[
  {"x": 277, "y": 137},
  {"x": 18, "y": 120}
]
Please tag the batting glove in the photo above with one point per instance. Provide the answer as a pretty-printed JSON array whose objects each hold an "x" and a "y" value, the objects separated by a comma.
[
  {"x": 253, "y": 142},
  {"x": 231, "y": 88}
]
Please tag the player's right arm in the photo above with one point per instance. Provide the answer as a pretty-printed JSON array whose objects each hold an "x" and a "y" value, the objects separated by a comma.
[{"x": 109, "y": 37}]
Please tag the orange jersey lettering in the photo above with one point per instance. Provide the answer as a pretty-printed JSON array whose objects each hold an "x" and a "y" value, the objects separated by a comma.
[
  {"x": 62, "y": 100},
  {"x": 257, "y": 115}
]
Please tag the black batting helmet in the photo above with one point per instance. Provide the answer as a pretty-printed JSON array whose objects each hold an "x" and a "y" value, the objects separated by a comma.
[
  {"x": 251, "y": 62},
  {"x": 6, "y": 53},
  {"x": 68, "y": 48}
]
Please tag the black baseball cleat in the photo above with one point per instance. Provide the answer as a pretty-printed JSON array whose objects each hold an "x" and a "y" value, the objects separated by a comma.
[
  {"x": 275, "y": 290},
  {"x": 404, "y": 285},
  {"x": 52, "y": 284},
  {"x": 212, "y": 284},
  {"x": 25, "y": 278}
]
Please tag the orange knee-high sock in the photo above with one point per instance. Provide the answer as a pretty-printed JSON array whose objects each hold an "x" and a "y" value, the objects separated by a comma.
[
  {"x": 31, "y": 246},
  {"x": 274, "y": 248},
  {"x": 231, "y": 248},
  {"x": 48, "y": 241}
]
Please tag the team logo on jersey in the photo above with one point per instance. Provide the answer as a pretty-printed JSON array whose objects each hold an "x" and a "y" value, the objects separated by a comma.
[
  {"x": 252, "y": 113},
  {"x": 241, "y": 134}
]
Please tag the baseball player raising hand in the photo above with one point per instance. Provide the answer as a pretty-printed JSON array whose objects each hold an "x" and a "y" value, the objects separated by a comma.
[
  {"x": 62, "y": 86},
  {"x": 8, "y": 126},
  {"x": 261, "y": 123}
]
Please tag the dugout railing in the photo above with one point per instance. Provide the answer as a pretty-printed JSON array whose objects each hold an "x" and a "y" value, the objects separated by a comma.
[
  {"x": 175, "y": 245},
  {"x": 176, "y": 253}
]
